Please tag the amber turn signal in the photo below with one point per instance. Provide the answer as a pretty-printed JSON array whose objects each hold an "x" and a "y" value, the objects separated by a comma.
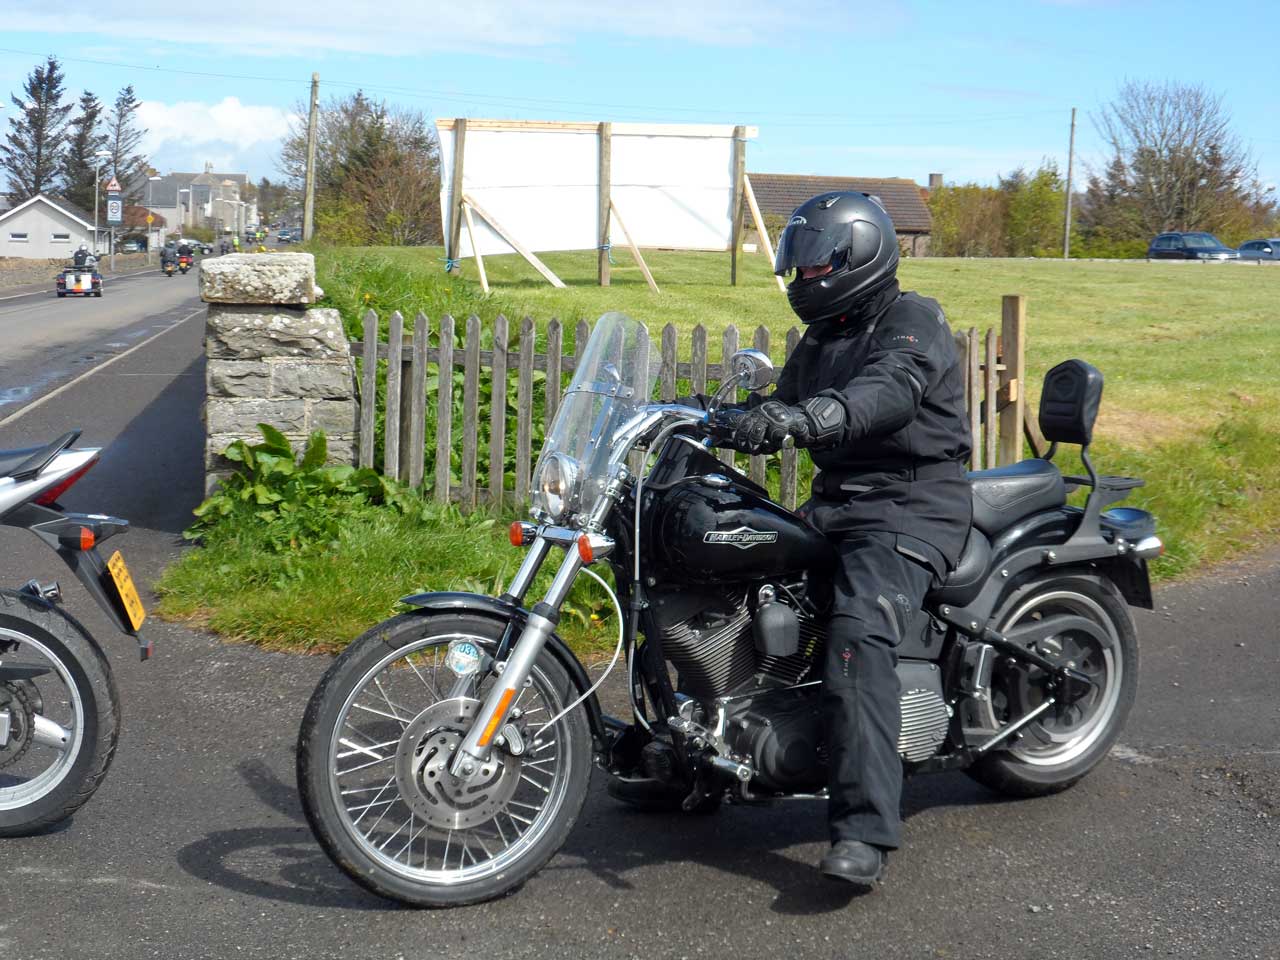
[
  {"x": 87, "y": 539},
  {"x": 521, "y": 534},
  {"x": 584, "y": 549}
]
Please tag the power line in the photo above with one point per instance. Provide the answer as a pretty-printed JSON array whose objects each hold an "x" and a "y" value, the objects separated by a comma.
[{"x": 791, "y": 119}]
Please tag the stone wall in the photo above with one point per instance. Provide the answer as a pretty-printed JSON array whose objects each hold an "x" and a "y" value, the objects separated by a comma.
[
  {"x": 272, "y": 357},
  {"x": 21, "y": 271}
]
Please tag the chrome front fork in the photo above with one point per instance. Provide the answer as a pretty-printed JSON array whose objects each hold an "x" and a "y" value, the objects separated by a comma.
[{"x": 514, "y": 672}]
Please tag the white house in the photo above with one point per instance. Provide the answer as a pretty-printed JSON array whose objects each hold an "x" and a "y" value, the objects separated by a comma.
[{"x": 44, "y": 228}]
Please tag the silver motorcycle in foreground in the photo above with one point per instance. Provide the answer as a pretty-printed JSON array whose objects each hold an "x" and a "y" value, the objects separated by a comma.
[
  {"x": 446, "y": 754},
  {"x": 59, "y": 710}
]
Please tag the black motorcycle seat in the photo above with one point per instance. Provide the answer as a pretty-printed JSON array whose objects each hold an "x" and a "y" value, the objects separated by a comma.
[
  {"x": 1003, "y": 496},
  {"x": 31, "y": 460},
  {"x": 12, "y": 459},
  {"x": 970, "y": 573}
]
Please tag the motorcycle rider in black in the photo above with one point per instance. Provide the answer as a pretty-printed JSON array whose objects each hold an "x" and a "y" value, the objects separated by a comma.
[{"x": 875, "y": 391}]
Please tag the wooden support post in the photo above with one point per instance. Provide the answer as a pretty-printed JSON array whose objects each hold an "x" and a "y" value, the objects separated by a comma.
[
  {"x": 606, "y": 176},
  {"x": 739, "y": 177},
  {"x": 635, "y": 251},
  {"x": 475, "y": 247},
  {"x": 455, "y": 190},
  {"x": 760, "y": 229},
  {"x": 514, "y": 243},
  {"x": 1013, "y": 335}
]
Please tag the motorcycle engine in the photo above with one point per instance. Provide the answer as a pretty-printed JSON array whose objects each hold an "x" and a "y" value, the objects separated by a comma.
[{"x": 708, "y": 638}]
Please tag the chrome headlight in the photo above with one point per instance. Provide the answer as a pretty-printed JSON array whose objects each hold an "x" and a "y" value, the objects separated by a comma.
[{"x": 557, "y": 484}]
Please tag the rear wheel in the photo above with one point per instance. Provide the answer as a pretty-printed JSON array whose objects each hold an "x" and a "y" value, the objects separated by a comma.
[
  {"x": 373, "y": 766},
  {"x": 59, "y": 716},
  {"x": 1067, "y": 741}
]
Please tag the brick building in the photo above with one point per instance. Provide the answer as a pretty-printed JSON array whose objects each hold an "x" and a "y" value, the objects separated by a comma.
[{"x": 778, "y": 195}]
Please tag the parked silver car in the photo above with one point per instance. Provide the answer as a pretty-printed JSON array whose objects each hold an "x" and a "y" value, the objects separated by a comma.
[{"x": 1261, "y": 249}]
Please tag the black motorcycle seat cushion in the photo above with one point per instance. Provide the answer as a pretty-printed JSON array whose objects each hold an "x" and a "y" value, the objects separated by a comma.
[
  {"x": 1003, "y": 496},
  {"x": 966, "y": 580},
  {"x": 12, "y": 459}
]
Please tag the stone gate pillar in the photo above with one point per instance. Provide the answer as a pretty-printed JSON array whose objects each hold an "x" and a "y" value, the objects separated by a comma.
[{"x": 272, "y": 357}]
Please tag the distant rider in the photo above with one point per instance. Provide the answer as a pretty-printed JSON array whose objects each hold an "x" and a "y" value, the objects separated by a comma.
[{"x": 82, "y": 256}]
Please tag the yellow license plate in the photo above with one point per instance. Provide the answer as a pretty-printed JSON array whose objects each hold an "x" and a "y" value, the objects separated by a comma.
[{"x": 125, "y": 588}]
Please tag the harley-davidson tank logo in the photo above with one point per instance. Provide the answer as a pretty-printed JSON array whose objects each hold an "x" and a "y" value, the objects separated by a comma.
[{"x": 744, "y": 538}]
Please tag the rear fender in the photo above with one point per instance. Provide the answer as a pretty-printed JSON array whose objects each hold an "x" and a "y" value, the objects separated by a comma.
[{"x": 508, "y": 611}]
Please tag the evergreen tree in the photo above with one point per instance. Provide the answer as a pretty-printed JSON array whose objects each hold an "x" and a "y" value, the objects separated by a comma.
[
  {"x": 32, "y": 152},
  {"x": 128, "y": 165},
  {"x": 84, "y": 139}
]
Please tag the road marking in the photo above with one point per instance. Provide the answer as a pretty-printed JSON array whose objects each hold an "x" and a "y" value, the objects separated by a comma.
[{"x": 102, "y": 366}]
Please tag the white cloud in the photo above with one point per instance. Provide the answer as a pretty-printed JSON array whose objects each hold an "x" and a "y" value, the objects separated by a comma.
[
  {"x": 406, "y": 27},
  {"x": 231, "y": 135}
]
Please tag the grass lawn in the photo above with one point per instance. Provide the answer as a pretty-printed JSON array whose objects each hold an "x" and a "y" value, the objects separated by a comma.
[
  {"x": 1191, "y": 355},
  {"x": 1181, "y": 345}
]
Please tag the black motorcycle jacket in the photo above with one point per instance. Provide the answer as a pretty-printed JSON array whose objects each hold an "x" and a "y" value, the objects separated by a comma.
[{"x": 899, "y": 467}]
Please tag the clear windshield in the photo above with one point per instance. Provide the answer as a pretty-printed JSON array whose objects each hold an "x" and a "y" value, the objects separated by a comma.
[{"x": 613, "y": 380}]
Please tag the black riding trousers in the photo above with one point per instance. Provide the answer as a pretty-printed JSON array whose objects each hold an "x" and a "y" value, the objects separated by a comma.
[{"x": 877, "y": 592}]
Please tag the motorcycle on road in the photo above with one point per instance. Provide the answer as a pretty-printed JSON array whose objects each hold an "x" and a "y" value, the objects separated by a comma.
[
  {"x": 446, "y": 754},
  {"x": 59, "y": 709}
]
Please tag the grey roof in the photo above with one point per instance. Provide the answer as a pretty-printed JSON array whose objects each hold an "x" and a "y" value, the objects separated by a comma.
[
  {"x": 781, "y": 193},
  {"x": 58, "y": 203}
]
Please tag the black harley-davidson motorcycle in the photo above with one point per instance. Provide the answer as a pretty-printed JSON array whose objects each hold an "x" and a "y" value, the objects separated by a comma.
[{"x": 445, "y": 755}]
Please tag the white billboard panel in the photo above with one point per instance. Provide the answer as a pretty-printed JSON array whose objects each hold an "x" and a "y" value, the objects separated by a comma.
[{"x": 672, "y": 184}]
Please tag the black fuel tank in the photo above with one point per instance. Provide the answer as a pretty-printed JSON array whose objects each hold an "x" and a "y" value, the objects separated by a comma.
[{"x": 711, "y": 524}]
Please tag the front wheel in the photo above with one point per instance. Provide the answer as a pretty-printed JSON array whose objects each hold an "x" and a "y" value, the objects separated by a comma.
[
  {"x": 373, "y": 765},
  {"x": 59, "y": 716},
  {"x": 1068, "y": 741}
]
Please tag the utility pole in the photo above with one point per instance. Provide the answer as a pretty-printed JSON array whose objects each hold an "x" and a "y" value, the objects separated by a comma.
[
  {"x": 1071, "y": 156},
  {"x": 309, "y": 191}
]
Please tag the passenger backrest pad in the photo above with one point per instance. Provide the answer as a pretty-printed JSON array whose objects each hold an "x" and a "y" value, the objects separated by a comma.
[{"x": 1069, "y": 402}]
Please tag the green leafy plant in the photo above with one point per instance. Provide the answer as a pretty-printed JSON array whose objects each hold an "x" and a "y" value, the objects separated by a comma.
[{"x": 298, "y": 500}]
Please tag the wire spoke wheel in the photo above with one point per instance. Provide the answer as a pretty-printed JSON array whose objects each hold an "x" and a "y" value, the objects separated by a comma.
[{"x": 374, "y": 767}]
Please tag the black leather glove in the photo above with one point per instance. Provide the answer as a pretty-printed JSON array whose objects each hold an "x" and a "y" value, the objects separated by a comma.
[
  {"x": 765, "y": 428},
  {"x": 816, "y": 423}
]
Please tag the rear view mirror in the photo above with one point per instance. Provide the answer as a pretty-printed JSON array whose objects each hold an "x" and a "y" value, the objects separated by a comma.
[{"x": 752, "y": 369}]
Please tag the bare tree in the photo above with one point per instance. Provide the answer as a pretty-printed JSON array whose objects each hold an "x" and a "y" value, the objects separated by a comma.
[
  {"x": 1181, "y": 165},
  {"x": 377, "y": 172}
]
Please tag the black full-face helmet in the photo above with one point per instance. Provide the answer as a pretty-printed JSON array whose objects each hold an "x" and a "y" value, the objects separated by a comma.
[{"x": 851, "y": 232}]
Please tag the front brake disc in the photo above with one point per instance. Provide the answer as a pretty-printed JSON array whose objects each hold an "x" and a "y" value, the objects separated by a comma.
[{"x": 423, "y": 755}]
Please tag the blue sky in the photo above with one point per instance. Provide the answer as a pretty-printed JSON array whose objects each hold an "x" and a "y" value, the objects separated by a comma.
[{"x": 894, "y": 88}]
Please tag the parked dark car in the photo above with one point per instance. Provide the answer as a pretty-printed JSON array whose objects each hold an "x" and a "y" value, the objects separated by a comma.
[
  {"x": 1261, "y": 249},
  {"x": 1189, "y": 246}
]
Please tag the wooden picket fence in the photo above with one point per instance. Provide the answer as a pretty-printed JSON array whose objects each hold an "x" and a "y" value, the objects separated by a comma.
[{"x": 994, "y": 365}]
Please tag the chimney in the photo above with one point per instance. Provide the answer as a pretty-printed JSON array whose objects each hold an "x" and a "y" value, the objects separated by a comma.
[{"x": 935, "y": 181}]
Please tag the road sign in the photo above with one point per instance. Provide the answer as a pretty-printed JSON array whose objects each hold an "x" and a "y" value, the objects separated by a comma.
[
  {"x": 115, "y": 211},
  {"x": 113, "y": 185},
  {"x": 150, "y": 219}
]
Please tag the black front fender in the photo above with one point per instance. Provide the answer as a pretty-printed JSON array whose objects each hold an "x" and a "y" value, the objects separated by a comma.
[{"x": 508, "y": 611}]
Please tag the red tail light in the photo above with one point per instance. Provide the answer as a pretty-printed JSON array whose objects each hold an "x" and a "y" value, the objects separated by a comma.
[{"x": 49, "y": 497}]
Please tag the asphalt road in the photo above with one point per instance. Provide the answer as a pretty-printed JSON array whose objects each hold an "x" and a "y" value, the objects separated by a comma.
[
  {"x": 195, "y": 846},
  {"x": 46, "y": 341}
]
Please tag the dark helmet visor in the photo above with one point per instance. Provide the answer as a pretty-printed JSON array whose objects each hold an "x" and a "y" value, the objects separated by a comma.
[{"x": 806, "y": 245}]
